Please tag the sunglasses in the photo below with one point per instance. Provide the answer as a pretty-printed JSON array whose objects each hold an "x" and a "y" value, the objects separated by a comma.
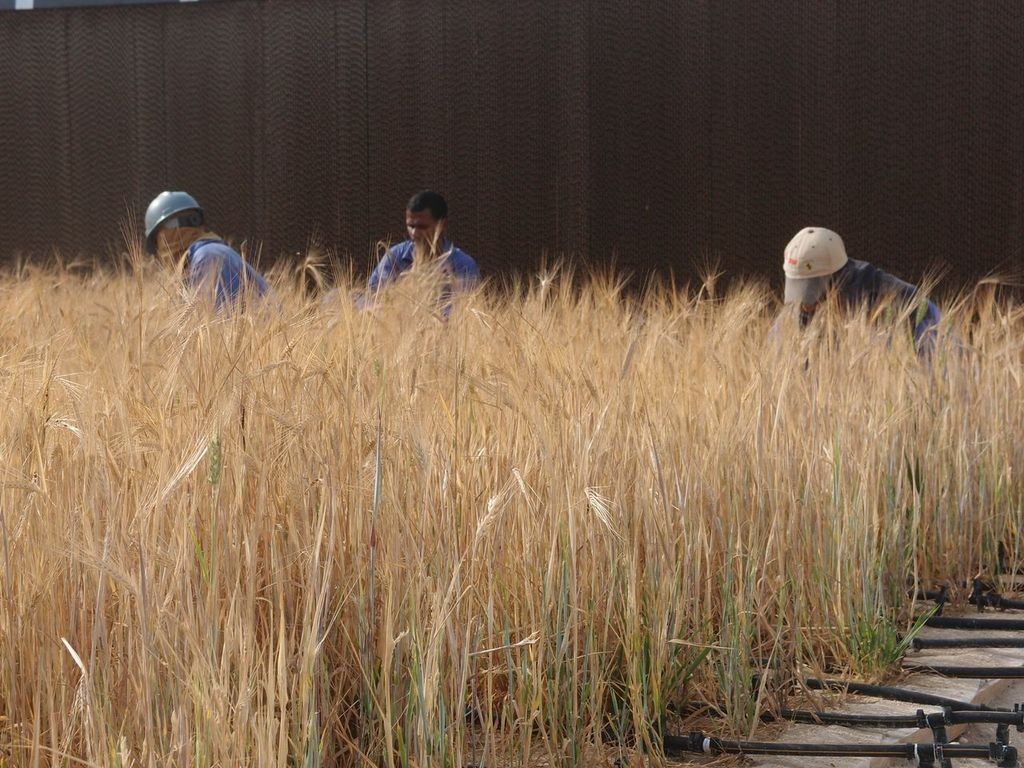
[{"x": 193, "y": 219}]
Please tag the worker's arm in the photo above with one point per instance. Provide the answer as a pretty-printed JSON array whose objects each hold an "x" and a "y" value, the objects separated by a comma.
[
  {"x": 466, "y": 271},
  {"x": 383, "y": 273},
  {"x": 387, "y": 269},
  {"x": 926, "y": 321}
]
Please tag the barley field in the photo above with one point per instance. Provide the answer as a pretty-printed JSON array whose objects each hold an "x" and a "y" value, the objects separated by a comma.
[{"x": 530, "y": 534}]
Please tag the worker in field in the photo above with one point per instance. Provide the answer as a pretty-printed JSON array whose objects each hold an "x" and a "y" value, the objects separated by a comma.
[
  {"x": 817, "y": 270},
  {"x": 427, "y": 249},
  {"x": 176, "y": 228}
]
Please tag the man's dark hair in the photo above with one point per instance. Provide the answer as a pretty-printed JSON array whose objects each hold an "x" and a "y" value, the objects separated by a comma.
[{"x": 428, "y": 200}]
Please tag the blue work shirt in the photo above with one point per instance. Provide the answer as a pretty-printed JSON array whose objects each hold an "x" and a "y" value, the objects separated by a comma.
[
  {"x": 212, "y": 263},
  {"x": 399, "y": 258},
  {"x": 859, "y": 282}
]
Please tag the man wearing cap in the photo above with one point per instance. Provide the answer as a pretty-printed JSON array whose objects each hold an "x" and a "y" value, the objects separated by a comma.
[
  {"x": 175, "y": 226},
  {"x": 816, "y": 267}
]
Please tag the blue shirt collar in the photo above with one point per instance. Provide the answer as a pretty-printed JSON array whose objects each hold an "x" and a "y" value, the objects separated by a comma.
[
  {"x": 200, "y": 243},
  {"x": 410, "y": 247}
]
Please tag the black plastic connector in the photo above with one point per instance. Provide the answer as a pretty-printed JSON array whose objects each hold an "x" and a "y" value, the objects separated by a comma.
[
  {"x": 1003, "y": 755},
  {"x": 984, "y": 595},
  {"x": 940, "y": 596}
]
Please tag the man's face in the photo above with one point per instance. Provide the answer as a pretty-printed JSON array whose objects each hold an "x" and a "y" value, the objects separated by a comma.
[
  {"x": 172, "y": 242},
  {"x": 423, "y": 227},
  {"x": 808, "y": 293},
  {"x": 167, "y": 243}
]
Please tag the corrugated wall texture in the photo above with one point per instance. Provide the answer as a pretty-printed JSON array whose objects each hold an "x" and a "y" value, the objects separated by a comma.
[{"x": 658, "y": 134}]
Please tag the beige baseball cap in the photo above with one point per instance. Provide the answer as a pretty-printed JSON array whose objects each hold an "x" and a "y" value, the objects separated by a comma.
[{"x": 811, "y": 257}]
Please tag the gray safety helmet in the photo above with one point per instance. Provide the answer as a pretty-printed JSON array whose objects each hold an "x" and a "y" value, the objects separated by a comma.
[{"x": 164, "y": 206}]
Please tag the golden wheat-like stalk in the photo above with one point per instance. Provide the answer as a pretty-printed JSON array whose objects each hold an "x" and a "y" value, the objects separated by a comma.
[{"x": 314, "y": 535}]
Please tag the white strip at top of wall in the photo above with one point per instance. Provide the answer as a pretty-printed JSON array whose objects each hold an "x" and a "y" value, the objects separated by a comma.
[{"x": 28, "y": 5}]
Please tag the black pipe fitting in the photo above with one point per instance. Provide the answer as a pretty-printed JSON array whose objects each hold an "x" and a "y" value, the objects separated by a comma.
[
  {"x": 939, "y": 596},
  {"x": 1003, "y": 755},
  {"x": 984, "y": 595}
]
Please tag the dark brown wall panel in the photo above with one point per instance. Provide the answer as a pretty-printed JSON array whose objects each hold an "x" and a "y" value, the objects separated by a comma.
[
  {"x": 518, "y": 131},
  {"x": 300, "y": 115},
  {"x": 408, "y": 147},
  {"x": 463, "y": 184},
  {"x": 36, "y": 196},
  {"x": 216, "y": 115},
  {"x": 650, "y": 134},
  {"x": 994, "y": 170},
  {"x": 349, "y": 148},
  {"x": 662, "y": 134},
  {"x": 102, "y": 128}
]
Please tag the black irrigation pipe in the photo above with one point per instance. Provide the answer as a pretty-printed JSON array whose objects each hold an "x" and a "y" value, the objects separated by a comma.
[
  {"x": 898, "y": 694},
  {"x": 971, "y": 673},
  {"x": 920, "y": 643},
  {"x": 970, "y": 622},
  {"x": 986, "y": 600},
  {"x": 940, "y": 597},
  {"x": 983, "y": 595},
  {"x": 926, "y": 754},
  {"x": 936, "y": 722},
  {"x": 919, "y": 719}
]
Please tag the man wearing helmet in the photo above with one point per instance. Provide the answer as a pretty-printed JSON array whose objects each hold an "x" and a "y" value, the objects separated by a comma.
[
  {"x": 816, "y": 267},
  {"x": 175, "y": 226}
]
